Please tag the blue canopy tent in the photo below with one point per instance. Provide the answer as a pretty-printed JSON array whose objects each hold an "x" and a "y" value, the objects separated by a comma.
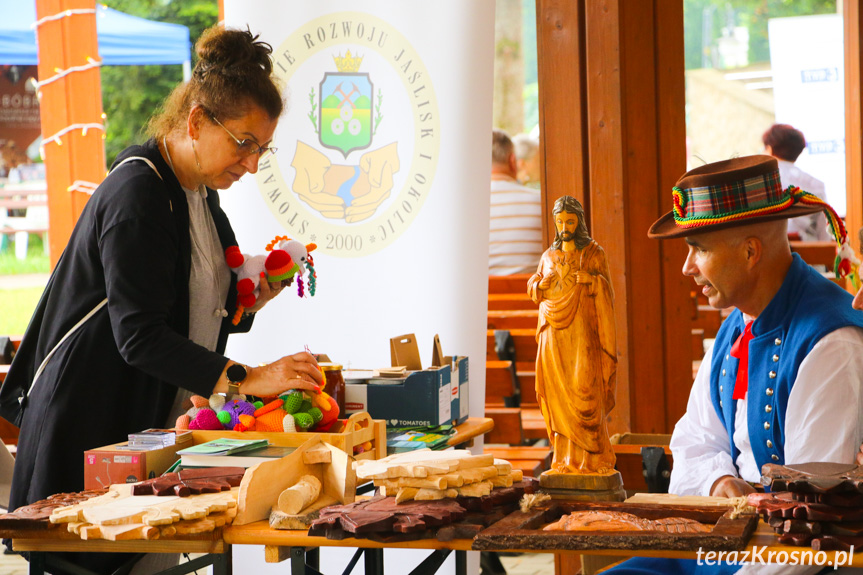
[{"x": 123, "y": 39}]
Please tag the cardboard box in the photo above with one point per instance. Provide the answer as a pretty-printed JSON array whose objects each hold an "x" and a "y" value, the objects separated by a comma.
[
  {"x": 425, "y": 397},
  {"x": 107, "y": 465}
]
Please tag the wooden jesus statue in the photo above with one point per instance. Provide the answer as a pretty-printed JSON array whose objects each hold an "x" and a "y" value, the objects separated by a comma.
[{"x": 576, "y": 365}]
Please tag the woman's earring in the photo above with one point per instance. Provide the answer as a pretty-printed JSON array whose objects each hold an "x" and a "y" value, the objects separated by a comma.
[{"x": 194, "y": 151}]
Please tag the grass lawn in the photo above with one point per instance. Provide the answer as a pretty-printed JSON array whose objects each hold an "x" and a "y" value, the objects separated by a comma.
[
  {"x": 18, "y": 304},
  {"x": 16, "y": 307},
  {"x": 36, "y": 262}
]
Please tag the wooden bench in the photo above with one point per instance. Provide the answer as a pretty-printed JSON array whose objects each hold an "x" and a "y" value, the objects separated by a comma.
[
  {"x": 500, "y": 384},
  {"x": 697, "y": 342},
  {"x": 33, "y": 199},
  {"x": 816, "y": 253},
  {"x": 708, "y": 319},
  {"x": 510, "y": 301},
  {"x": 533, "y": 424},
  {"x": 513, "y": 319},
  {"x": 627, "y": 449},
  {"x": 515, "y": 283},
  {"x": 530, "y": 459},
  {"x": 525, "y": 344},
  {"x": 507, "y": 426}
]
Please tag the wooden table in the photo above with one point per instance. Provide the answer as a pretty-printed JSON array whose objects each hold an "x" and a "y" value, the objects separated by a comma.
[
  {"x": 469, "y": 430},
  {"x": 280, "y": 545},
  {"x": 215, "y": 546},
  {"x": 40, "y": 543},
  {"x": 283, "y": 545}
]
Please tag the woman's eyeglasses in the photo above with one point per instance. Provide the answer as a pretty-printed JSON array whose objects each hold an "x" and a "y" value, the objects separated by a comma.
[{"x": 247, "y": 147}]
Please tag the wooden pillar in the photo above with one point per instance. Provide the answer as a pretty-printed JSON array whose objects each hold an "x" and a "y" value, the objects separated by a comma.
[
  {"x": 853, "y": 22},
  {"x": 76, "y": 98},
  {"x": 562, "y": 104},
  {"x": 613, "y": 135}
]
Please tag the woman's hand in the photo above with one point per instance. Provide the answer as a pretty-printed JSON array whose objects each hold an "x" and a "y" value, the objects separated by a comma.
[
  {"x": 298, "y": 371},
  {"x": 269, "y": 290}
]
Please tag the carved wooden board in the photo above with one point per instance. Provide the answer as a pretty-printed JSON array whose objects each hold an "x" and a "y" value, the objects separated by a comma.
[
  {"x": 191, "y": 482},
  {"x": 523, "y": 530},
  {"x": 118, "y": 514},
  {"x": 818, "y": 477},
  {"x": 35, "y": 515},
  {"x": 824, "y": 526},
  {"x": 382, "y": 519}
]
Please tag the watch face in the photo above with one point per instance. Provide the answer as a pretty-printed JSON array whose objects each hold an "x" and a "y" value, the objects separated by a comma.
[{"x": 236, "y": 373}]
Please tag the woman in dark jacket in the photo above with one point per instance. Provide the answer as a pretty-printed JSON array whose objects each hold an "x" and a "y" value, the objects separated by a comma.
[{"x": 145, "y": 266}]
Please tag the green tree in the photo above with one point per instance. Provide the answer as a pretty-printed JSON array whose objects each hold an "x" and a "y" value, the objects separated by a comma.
[
  {"x": 704, "y": 20},
  {"x": 130, "y": 94}
]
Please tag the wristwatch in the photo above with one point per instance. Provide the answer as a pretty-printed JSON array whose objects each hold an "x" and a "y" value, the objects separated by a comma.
[{"x": 236, "y": 374}]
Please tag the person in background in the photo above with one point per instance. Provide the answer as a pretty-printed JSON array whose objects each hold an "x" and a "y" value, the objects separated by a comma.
[
  {"x": 136, "y": 316},
  {"x": 785, "y": 143},
  {"x": 527, "y": 160},
  {"x": 515, "y": 228}
]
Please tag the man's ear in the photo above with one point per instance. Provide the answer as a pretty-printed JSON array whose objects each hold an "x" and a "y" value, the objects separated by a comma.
[
  {"x": 753, "y": 250},
  {"x": 513, "y": 165}
]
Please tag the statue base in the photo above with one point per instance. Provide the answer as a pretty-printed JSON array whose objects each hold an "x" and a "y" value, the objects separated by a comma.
[{"x": 587, "y": 487}]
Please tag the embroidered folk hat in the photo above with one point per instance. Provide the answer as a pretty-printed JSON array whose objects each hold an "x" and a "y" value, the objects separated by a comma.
[{"x": 736, "y": 192}]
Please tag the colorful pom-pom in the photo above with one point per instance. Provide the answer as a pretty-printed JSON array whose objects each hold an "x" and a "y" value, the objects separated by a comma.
[
  {"x": 207, "y": 419},
  {"x": 217, "y": 401}
]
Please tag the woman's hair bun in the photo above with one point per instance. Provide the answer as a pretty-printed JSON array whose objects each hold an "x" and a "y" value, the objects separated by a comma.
[{"x": 231, "y": 52}]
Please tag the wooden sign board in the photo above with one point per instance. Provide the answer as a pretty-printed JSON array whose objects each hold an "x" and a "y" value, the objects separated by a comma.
[{"x": 523, "y": 530}]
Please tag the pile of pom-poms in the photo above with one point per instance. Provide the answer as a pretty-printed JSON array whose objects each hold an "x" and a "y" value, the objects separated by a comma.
[{"x": 291, "y": 411}]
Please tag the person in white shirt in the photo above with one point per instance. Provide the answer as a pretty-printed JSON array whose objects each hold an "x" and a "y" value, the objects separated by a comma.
[
  {"x": 515, "y": 227},
  {"x": 784, "y": 380},
  {"x": 786, "y": 143},
  {"x": 527, "y": 160}
]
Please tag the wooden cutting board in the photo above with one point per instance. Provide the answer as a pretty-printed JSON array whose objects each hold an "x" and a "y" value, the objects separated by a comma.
[{"x": 119, "y": 514}]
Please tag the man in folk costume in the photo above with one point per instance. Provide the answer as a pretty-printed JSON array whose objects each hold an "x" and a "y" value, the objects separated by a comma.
[
  {"x": 784, "y": 381},
  {"x": 576, "y": 366}
]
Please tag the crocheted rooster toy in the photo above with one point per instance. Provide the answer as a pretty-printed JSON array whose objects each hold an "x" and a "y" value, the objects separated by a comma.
[{"x": 287, "y": 259}]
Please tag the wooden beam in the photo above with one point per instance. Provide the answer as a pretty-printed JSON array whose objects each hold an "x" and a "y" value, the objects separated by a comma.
[
  {"x": 75, "y": 98},
  {"x": 671, "y": 164},
  {"x": 612, "y": 115},
  {"x": 563, "y": 102},
  {"x": 853, "y": 22}
]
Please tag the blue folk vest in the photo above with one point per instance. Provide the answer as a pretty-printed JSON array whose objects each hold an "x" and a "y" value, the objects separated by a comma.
[{"x": 806, "y": 308}]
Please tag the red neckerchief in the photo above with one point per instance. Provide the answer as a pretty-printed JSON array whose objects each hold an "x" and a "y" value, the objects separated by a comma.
[{"x": 740, "y": 350}]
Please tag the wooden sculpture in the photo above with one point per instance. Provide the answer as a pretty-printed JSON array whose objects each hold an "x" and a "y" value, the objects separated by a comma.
[{"x": 576, "y": 364}]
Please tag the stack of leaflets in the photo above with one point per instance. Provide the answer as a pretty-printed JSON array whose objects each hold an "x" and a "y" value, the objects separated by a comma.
[
  {"x": 225, "y": 446},
  {"x": 400, "y": 440},
  {"x": 231, "y": 453},
  {"x": 150, "y": 439}
]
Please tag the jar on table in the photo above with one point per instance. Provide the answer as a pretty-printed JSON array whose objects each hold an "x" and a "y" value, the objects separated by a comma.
[{"x": 335, "y": 384}]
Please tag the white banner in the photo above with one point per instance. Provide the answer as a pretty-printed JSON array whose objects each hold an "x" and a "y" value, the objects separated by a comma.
[
  {"x": 383, "y": 162},
  {"x": 807, "y": 58}
]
